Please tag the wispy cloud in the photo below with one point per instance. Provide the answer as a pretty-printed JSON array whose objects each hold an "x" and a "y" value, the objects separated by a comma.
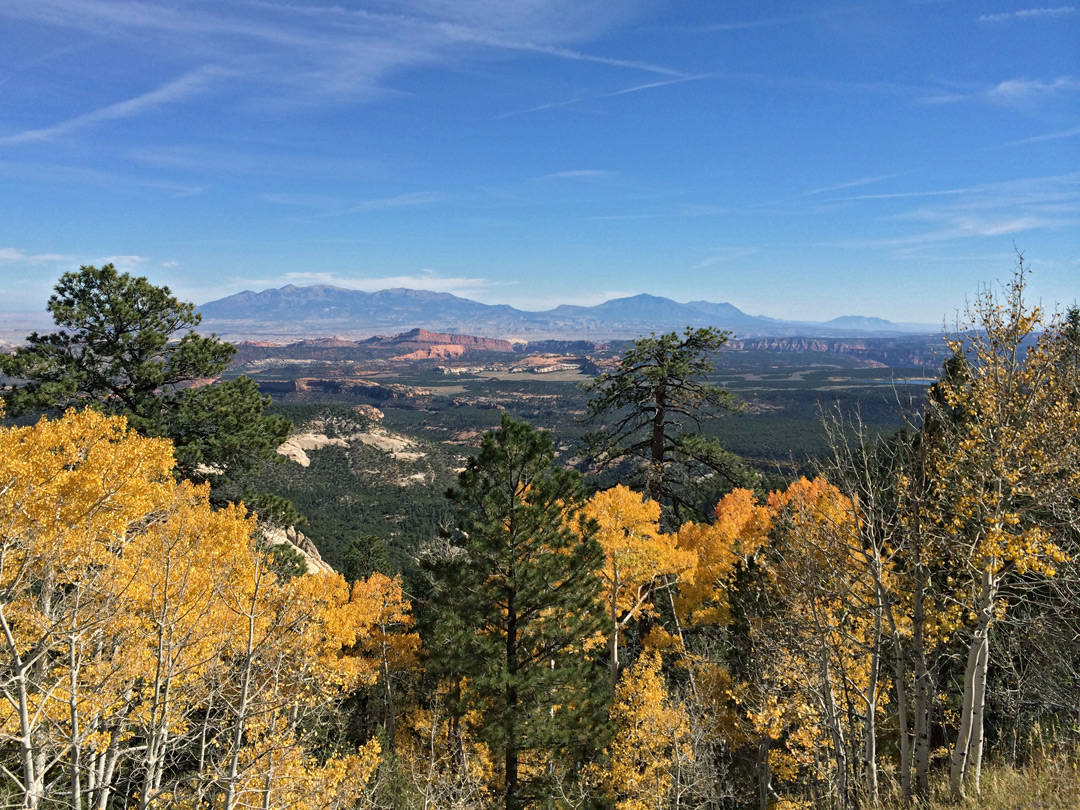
[
  {"x": 989, "y": 210},
  {"x": 772, "y": 22},
  {"x": 637, "y": 88},
  {"x": 1023, "y": 90},
  {"x": 1011, "y": 92},
  {"x": 302, "y": 54},
  {"x": 408, "y": 200},
  {"x": 485, "y": 38},
  {"x": 301, "y": 199},
  {"x": 124, "y": 263},
  {"x": 10, "y": 254},
  {"x": 574, "y": 174},
  {"x": 1026, "y": 14},
  {"x": 724, "y": 255},
  {"x": 170, "y": 92},
  {"x": 900, "y": 195},
  {"x": 862, "y": 181},
  {"x": 331, "y": 206},
  {"x": 1049, "y": 136},
  {"x": 553, "y": 105}
]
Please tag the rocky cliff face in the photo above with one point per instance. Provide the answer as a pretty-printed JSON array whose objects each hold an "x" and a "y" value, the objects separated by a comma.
[
  {"x": 291, "y": 536},
  {"x": 420, "y": 338},
  {"x": 882, "y": 352},
  {"x": 440, "y": 351}
]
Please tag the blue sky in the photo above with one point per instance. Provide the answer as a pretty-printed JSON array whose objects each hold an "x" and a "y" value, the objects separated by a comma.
[{"x": 797, "y": 159}]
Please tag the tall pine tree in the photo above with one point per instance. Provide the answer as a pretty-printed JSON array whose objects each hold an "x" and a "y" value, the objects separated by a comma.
[
  {"x": 519, "y": 599},
  {"x": 124, "y": 346}
]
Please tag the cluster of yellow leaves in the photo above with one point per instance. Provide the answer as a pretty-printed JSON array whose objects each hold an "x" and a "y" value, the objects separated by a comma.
[
  {"x": 651, "y": 738},
  {"x": 137, "y": 619},
  {"x": 638, "y": 557},
  {"x": 387, "y": 632},
  {"x": 811, "y": 650},
  {"x": 286, "y": 775},
  {"x": 442, "y": 753},
  {"x": 741, "y": 530},
  {"x": 1004, "y": 457},
  {"x": 821, "y": 574}
]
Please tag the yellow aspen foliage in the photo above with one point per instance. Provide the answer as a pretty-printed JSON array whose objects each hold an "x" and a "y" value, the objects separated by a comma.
[
  {"x": 139, "y": 628},
  {"x": 441, "y": 754},
  {"x": 639, "y": 559},
  {"x": 72, "y": 491},
  {"x": 651, "y": 737},
  {"x": 389, "y": 632},
  {"x": 279, "y": 772},
  {"x": 389, "y": 642},
  {"x": 69, "y": 489},
  {"x": 1003, "y": 470},
  {"x": 825, "y": 634},
  {"x": 740, "y": 531}
]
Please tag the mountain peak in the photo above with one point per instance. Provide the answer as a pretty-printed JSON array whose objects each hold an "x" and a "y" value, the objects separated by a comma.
[{"x": 326, "y": 310}]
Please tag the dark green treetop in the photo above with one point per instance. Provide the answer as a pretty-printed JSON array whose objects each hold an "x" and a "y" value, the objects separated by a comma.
[
  {"x": 651, "y": 408},
  {"x": 125, "y": 346},
  {"x": 518, "y": 599}
]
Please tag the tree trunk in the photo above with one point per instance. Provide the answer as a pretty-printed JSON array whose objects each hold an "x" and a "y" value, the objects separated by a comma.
[
  {"x": 978, "y": 738},
  {"x": 870, "y": 725},
  {"x": 764, "y": 774},
  {"x": 613, "y": 642},
  {"x": 391, "y": 710},
  {"x": 900, "y": 677},
  {"x": 33, "y": 779},
  {"x": 655, "y": 483},
  {"x": 73, "y": 712},
  {"x": 923, "y": 691},
  {"x": 241, "y": 712},
  {"x": 969, "y": 737},
  {"x": 510, "y": 720},
  {"x": 837, "y": 732}
]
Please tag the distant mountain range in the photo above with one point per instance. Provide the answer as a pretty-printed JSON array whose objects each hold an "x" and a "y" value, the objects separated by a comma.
[{"x": 326, "y": 310}]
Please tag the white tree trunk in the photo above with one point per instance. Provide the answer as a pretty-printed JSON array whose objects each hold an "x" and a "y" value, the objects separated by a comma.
[
  {"x": 969, "y": 736},
  {"x": 870, "y": 724}
]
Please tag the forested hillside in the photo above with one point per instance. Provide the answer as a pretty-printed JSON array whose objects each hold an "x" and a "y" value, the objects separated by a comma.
[{"x": 891, "y": 630}]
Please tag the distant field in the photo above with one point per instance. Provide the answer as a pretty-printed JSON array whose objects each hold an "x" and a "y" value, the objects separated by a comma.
[
  {"x": 551, "y": 376},
  {"x": 350, "y": 493}
]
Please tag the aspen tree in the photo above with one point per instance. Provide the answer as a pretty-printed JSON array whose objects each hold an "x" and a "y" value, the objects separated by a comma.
[
  {"x": 639, "y": 561},
  {"x": 70, "y": 492},
  {"x": 869, "y": 475},
  {"x": 829, "y": 622},
  {"x": 125, "y": 673},
  {"x": 1004, "y": 474},
  {"x": 651, "y": 735}
]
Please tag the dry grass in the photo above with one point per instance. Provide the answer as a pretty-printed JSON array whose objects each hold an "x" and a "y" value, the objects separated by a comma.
[{"x": 1049, "y": 783}]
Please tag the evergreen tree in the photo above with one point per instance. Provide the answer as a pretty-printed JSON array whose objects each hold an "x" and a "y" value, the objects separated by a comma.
[
  {"x": 650, "y": 409},
  {"x": 519, "y": 600},
  {"x": 124, "y": 346}
]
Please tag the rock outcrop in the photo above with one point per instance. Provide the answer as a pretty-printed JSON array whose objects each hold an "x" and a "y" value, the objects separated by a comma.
[
  {"x": 422, "y": 338},
  {"x": 875, "y": 352},
  {"x": 292, "y": 537}
]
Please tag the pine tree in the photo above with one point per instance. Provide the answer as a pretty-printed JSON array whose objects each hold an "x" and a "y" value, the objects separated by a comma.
[
  {"x": 650, "y": 410},
  {"x": 519, "y": 600},
  {"x": 124, "y": 346}
]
